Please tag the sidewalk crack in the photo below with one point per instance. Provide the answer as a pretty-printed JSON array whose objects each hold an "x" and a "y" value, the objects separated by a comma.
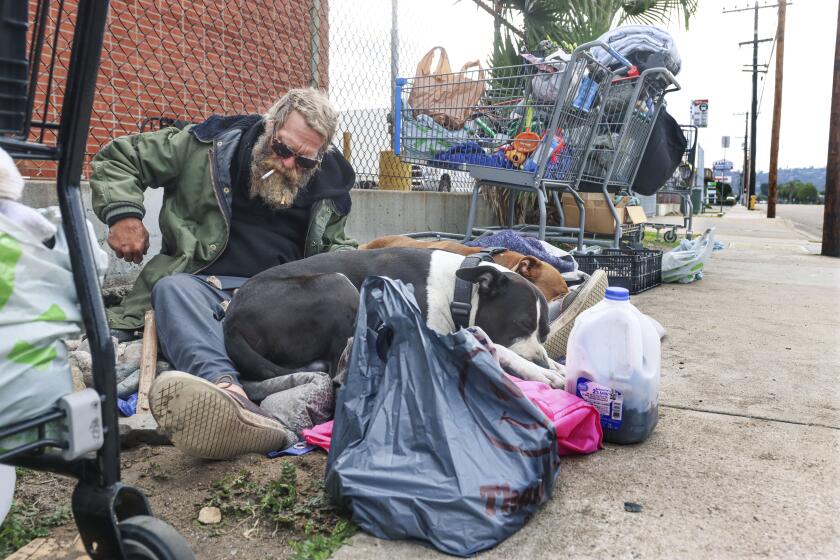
[{"x": 750, "y": 416}]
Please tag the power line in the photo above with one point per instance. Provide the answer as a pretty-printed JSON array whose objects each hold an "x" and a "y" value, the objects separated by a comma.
[
  {"x": 755, "y": 71},
  {"x": 764, "y": 84}
]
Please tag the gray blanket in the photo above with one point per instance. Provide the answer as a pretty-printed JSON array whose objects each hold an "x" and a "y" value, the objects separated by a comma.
[{"x": 301, "y": 399}]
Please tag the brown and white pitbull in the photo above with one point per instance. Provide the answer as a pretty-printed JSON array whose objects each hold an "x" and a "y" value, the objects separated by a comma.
[{"x": 545, "y": 277}]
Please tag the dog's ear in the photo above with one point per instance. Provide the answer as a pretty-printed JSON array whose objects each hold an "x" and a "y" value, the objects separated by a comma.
[
  {"x": 490, "y": 280},
  {"x": 529, "y": 267}
]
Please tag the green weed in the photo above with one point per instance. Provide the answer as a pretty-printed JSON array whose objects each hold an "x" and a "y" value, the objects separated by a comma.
[
  {"x": 24, "y": 523},
  {"x": 320, "y": 546},
  {"x": 280, "y": 502}
]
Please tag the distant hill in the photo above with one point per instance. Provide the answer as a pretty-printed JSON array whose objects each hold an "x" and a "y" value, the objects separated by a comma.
[{"x": 814, "y": 175}]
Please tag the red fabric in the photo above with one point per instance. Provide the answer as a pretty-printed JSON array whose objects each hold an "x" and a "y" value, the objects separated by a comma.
[
  {"x": 319, "y": 435},
  {"x": 577, "y": 422}
]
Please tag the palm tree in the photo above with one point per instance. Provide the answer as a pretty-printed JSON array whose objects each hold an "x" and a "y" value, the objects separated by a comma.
[
  {"x": 567, "y": 23},
  {"x": 570, "y": 23}
]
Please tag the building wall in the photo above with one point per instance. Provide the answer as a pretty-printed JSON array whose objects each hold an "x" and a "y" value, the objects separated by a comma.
[{"x": 184, "y": 59}]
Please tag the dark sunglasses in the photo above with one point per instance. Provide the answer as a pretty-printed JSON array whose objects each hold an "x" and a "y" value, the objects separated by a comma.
[{"x": 283, "y": 151}]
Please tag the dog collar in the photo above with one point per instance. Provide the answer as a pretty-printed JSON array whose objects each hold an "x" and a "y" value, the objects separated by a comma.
[{"x": 460, "y": 307}]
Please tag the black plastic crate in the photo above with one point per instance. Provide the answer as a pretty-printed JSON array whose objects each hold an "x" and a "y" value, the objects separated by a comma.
[{"x": 635, "y": 269}]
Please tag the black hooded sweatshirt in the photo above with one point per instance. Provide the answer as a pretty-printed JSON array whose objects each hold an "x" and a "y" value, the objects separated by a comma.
[{"x": 261, "y": 237}]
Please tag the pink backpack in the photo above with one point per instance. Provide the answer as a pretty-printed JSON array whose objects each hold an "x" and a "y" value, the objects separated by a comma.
[{"x": 577, "y": 423}]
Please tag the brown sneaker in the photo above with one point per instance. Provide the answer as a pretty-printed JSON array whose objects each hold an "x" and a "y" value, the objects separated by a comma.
[
  {"x": 203, "y": 420},
  {"x": 588, "y": 294}
]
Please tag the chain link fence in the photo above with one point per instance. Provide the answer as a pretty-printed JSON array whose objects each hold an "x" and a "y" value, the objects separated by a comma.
[
  {"x": 373, "y": 41},
  {"x": 166, "y": 61}
]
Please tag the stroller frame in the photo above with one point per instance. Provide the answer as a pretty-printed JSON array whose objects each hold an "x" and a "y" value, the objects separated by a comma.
[{"x": 100, "y": 501}]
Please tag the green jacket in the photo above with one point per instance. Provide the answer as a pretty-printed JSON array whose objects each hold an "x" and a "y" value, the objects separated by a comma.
[{"x": 193, "y": 167}]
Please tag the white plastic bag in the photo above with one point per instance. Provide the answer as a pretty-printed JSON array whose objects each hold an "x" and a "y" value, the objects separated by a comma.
[
  {"x": 7, "y": 490},
  {"x": 545, "y": 85},
  {"x": 38, "y": 311},
  {"x": 684, "y": 263}
]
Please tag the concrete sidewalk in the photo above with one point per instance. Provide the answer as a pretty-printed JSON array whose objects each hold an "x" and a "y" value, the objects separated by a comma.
[{"x": 745, "y": 461}]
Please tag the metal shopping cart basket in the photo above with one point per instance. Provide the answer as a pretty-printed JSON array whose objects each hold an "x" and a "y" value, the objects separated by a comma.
[
  {"x": 78, "y": 436},
  {"x": 681, "y": 183},
  {"x": 530, "y": 129}
]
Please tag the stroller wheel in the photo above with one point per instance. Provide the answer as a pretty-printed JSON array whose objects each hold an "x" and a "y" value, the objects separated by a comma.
[
  {"x": 148, "y": 538},
  {"x": 670, "y": 236}
]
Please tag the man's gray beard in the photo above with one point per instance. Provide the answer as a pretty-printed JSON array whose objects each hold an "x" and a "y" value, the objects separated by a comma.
[{"x": 280, "y": 188}]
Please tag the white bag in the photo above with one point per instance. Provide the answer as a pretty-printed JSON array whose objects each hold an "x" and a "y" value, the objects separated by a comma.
[
  {"x": 38, "y": 310},
  {"x": 545, "y": 85},
  {"x": 7, "y": 490},
  {"x": 684, "y": 263}
]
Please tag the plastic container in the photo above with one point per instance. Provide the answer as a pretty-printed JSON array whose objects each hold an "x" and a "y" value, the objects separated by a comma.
[
  {"x": 613, "y": 362},
  {"x": 635, "y": 269}
]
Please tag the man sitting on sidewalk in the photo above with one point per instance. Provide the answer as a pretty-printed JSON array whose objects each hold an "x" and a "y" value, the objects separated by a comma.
[{"x": 241, "y": 194}]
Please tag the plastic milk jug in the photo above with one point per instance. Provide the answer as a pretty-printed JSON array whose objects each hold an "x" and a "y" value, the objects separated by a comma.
[{"x": 613, "y": 363}]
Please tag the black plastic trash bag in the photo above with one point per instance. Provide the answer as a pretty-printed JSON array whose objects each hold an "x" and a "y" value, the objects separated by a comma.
[
  {"x": 431, "y": 441},
  {"x": 662, "y": 155}
]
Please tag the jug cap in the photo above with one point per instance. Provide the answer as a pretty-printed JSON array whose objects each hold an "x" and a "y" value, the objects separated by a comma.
[{"x": 618, "y": 294}]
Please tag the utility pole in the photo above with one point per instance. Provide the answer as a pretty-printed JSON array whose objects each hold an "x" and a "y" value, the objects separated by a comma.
[
  {"x": 745, "y": 176},
  {"x": 831, "y": 213},
  {"x": 777, "y": 112},
  {"x": 754, "y": 111}
]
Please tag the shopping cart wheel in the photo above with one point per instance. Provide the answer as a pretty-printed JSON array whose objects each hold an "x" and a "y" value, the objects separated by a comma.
[
  {"x": 445, "y": 183},
  {"x": 670, "y": 236},
  {"x": 148, "y": 538}
]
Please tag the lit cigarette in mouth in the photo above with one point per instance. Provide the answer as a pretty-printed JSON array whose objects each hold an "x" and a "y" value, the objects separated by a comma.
[{"x": 268, "y": 174}]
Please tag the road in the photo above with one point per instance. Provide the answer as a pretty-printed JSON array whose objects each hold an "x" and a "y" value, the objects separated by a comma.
[{"x": 808, "y": 218}]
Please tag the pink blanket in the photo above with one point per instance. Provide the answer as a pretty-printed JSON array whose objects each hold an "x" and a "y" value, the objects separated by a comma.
[{"x": 577, "y": 422}]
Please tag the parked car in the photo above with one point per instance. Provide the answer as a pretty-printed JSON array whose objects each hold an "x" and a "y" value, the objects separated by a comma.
[{"x": 430, "y": 179}]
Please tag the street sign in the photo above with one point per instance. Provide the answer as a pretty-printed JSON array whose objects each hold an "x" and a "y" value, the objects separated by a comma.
[
  {"x": 700, "y": 113},
  {"x": 722, "y": 165},
  {"x": 724, "y": 142}
]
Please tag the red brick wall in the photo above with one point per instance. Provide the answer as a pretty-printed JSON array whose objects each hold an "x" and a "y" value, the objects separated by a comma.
[{"x": 185, "y": 59}]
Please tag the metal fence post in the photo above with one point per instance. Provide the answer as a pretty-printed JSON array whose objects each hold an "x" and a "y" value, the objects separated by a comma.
[
  {"x": 314, "y": 42},
  {"x": 395, "y": 57}
]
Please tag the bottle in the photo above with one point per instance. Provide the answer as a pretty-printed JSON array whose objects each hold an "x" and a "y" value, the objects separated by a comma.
[
  {"x": 557, "y": 144},
  {"x": 613, "y": 362}
]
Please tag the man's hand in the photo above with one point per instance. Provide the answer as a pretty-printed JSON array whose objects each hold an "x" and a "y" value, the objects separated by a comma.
[{"x": 129, "y": 239}]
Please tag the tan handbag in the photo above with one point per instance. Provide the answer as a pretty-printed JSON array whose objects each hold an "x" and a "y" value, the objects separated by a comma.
[{"x": 449, "y": 98}]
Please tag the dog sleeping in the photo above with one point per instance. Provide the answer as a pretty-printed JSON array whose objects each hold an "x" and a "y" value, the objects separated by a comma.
[
  {"x": 301, "y": 312},
  {"x": 545, "y": 277}
]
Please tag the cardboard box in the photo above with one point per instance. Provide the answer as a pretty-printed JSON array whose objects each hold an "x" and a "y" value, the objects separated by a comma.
[{"x": 599, "y": 219}]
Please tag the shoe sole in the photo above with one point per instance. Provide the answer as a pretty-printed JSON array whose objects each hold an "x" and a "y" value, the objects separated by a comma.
[
  {"x": 203, "y": 421},
  {"x": 559, "y": 330}
]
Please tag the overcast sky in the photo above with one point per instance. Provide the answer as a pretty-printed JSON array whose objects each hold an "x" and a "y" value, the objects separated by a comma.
[
  {"x": 711, "y": 69},
  {"x": 712, "y": 64}
]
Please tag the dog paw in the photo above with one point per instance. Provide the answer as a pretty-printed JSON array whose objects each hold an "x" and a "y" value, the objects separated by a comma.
[
  {"x": 556, "y": 375},
  {"x": 556, "y": 381}
]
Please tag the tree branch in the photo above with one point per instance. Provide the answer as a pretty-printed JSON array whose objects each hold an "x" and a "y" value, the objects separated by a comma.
[{"x": 505, "y": 22}]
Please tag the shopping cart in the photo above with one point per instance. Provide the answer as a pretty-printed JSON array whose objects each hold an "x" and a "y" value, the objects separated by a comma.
[
  {"x": 534, "y": 128},
  {"x": 681, "y": 183},
  {"x": 78, "y": 436}
]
